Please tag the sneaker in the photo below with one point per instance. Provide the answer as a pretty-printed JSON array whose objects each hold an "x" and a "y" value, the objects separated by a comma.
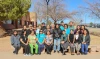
[
  {"x": 30, "y": 55},
  {"x": 58, "y": 51},
  {"x": 13, "y": 52},
  {"x": 54, "y": 51},
  {"x": 64, "y": 53}
]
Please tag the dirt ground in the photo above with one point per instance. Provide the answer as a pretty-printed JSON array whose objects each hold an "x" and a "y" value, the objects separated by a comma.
[{"x": 6, "y": 51}]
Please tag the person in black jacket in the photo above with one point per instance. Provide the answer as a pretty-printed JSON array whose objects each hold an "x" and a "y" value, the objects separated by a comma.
[
  {"x": 24, "y": 29},
  {"x": 57, "y": 38},
  {"x": 29, "y": 30},
  {"x": 43, "y": 27},
  {"x": 78, "y": 42},
  {"x": 85, "y": 42},
  {"x": 24, "y": 43}
]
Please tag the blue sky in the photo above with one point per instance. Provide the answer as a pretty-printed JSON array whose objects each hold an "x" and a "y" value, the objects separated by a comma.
[{"x": 71, "y": 6}]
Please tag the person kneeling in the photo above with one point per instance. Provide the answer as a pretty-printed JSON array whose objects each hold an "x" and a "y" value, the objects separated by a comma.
[
  {"x": 64, "y": 42},
  {"x": 32, "y": 42},
  {"x": 24, "y": 43}
]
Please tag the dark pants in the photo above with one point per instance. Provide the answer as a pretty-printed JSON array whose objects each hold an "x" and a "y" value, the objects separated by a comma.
[
  {"x": 49, "y": 48},
  {"x": 72, "y": 47},
  {"x": 26, "y": 48},
  {"x": 84, "y": 48},
  {"x": 65, "y": 46},
  {"x": 40, "y": 48},
  {"x": 17, "y": 48}
]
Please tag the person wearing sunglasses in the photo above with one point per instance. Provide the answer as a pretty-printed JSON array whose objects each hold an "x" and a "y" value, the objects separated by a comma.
[{"x": 41, "y": 38}]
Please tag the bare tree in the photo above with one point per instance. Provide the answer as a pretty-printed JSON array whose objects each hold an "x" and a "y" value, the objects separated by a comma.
[
  {"x": 57, "y": 10},
  {"x": 77, "y": 17},
  {"x": 93, "y": 8}
]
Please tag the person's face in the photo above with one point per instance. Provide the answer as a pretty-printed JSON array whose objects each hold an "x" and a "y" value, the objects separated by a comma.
[
  {"x": 62, "y": 23},
  {"x": 41, "y": 31},
  {"x": 30, "y": 27},
  {"x": 48, "y": 27},
  {"x": 65, "y": 26},
  {"x": 85, "y": 32},
  {"x": 24, "y": 27},
  {"x": 34, "y": 27},
  {"x": 71, "y": 23},
  {"x": 63, "y": 32},
  {"x": 57, "y": 26},
  {"x": 83, "y": 27},
  {"x": 32, "y": 33},
  {"x": 43, "y": 24},
  {"x": 15, "y": 33},
  {"x": 48, "y": 33},
  {"x": 78, "y": 27},
  {"x": 53, "y": 26}
]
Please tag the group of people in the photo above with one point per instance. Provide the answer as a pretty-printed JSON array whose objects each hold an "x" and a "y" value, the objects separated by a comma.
[{"x": 56, "y": 37}]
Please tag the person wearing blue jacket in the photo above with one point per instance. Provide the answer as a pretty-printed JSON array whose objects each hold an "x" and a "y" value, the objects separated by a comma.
[
  {"x": 15, "y": 42},
  {"x": 62, "y": 26}
]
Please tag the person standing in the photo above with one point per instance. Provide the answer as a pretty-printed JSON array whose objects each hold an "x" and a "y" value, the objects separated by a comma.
[
  {"x": 83, "y": 28},
  {"x": 71, "y": 25},
  {"x": 24, "y": 43},
  {"x": 15, "y": 42},
  {"x": 52, "y": 30},
  {"x": 64, "y": 42},
  {"x": 47, "y": 29},
  {"x": 71, "y": 41},
  {"x": 43, "y": 27},
  {"x": 85, "y": 42},
  {"x": 67, "y": 30},
  {"x": 62, "y": 26},
  {"x": 78, "y": 29},
  {"x": 57, "y": 38},
  {"x": 78, "y": 42},
  {"x": 32, "y": 42},
  {"x": 29, "y": 30},
  {"x": 49, "y": 42},
  {"x": 38, "y": 29},
  {"x": 24, "y": 29},
  {"x": 41, "y": 38}
]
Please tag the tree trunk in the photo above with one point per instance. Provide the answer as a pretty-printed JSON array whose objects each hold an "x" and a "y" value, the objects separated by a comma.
[
  {"x": 55, "y": 22},
  {"x": 16, "y": 24}
]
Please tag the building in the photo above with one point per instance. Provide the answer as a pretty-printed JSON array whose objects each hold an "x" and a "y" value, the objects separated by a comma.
[{"x": 29, "y": 18}]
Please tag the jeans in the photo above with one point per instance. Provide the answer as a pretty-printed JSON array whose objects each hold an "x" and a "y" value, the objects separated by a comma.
[
  {"x": 84, "y": 48},
  {"x": 40, "y": 48},
  {"x": 57, "y": 44}
]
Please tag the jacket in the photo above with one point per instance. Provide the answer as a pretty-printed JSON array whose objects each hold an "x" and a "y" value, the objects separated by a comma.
[
  {"x": 57, "y": 33},
  {"x": 79, "y": 40},
  {"x": 87, "y": 39},
  {"x": 15, "y": 40}
]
